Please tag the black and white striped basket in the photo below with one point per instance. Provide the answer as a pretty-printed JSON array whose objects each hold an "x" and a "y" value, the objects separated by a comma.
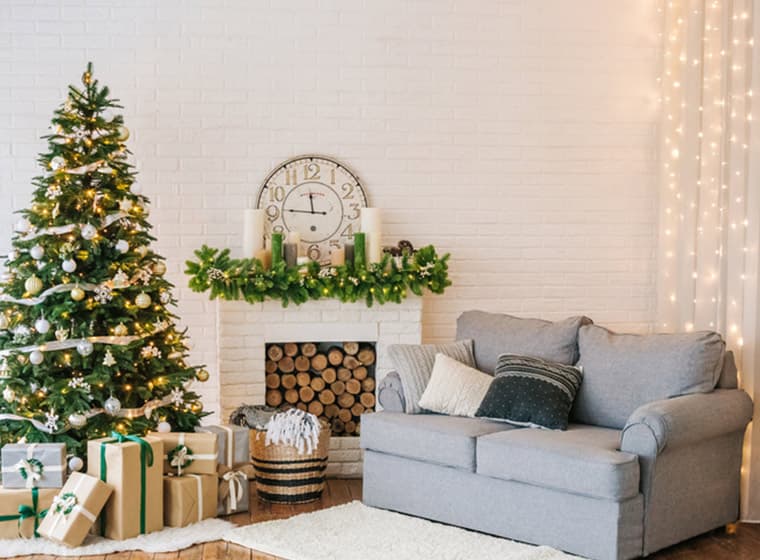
[{"x": 283, "y": 476}]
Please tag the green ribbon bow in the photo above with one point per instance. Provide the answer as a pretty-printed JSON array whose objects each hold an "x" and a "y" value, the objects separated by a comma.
[
  {"x": 25, "y": 512},
  {"x": 146, "y": 460}
]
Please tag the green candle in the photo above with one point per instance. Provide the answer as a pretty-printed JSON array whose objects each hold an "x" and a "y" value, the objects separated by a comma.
[
  {"x": 276, "y": 249},
  {"x": 360, "y": 250}
]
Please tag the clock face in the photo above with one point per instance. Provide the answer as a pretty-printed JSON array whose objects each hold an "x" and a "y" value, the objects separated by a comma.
[{"x": 317, "y": 197}]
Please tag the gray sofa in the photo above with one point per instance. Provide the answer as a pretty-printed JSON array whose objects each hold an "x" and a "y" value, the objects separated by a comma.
[{"x": 652, "y": 455}]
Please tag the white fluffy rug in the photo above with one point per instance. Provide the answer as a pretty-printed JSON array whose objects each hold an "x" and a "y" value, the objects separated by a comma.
[
  {"x": 168, "y": 540},
  {"x": 355, "y": 531}
]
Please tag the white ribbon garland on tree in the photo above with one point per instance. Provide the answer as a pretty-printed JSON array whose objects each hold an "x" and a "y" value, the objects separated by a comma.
[
  {"x": 49, "y": 292},
  {"x": 74, "y": 342},
  {"x": 68, "y": 228}
]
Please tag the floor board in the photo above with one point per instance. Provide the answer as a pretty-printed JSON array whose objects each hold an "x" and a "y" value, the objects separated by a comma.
[{"x": 716, "y": 545}]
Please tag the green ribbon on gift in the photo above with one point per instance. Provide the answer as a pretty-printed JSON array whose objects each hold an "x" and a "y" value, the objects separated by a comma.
[
  {"x": 25, "y": 512},
  {"x": 146, "y": 460}
]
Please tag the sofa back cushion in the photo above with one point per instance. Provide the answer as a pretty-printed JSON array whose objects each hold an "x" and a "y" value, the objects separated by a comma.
[
  {"x": 622, "y": 372},
  {"x": 494, "y": 334}
]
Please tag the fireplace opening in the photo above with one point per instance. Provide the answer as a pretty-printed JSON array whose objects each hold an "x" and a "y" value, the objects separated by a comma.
[{"x": 333, "y": 380}]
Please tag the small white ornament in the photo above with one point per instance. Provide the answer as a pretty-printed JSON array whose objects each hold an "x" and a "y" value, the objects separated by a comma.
[
  {"x": 57, "y": 163},
  {"x": 53, "y": 191},
  {"x": 76, "y": 464},
  {"x": 103, "y": 294},
  {"x": 122, "y": 246},
  {"x": 77, "y": 420},
  {"x": 112, "y": 406},
  {"x": 88, "y": 231},
  {"x": 69, "y": 265},
  {"x": 36, "y": 357},
  {"x": 40, "y": 265},
  {"x": 125, "y": 205},
  {"x": 120, "y": 330},
  {"x": 22, "y": 226},
  {"x": 165, "y": 297},
  {"x": 33, "y": 285},
  {"x": 37, "y": 252},
  {"x": 164, "y": 427},
  {"x": 135, "y": 189},
  {"x": 9, "y": 394},
  {"x": 12, "y": 255},
  {"x": 42, "y": 325},
  {"x": 142, "y": 300},
  {"x": 51, "y": 421},
  {"x": 108, "y": 359},
  {"x": 120, "y": 280},
  {"x": 85, "y": 348}
]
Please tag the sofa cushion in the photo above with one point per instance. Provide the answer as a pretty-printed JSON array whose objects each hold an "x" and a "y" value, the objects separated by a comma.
[
  {"x": 443, "y": 440},
  {"x": 455, "y": 388},
  {"x": 622, "y": 372},
  {"x": 582, "y": 460},
  {"x": 531, "y": 391},
  {"x": 494, "y": 334},
  {"x": 414, "y": 364}
]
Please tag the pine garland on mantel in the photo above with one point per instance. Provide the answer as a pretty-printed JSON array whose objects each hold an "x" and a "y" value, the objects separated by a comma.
[{"x": 387, "y": 281}]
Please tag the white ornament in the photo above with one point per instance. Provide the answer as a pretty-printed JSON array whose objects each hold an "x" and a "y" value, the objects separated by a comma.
[
  {"x": 9, "y": 394},
  {"x": 42, "y": 325},
  {"x": 164, "y": 427},
  {"x": 165, "y": 297},
  {"x": 53, "y": 191},
  {"x": 120, "y": 330},
  {"x": 77, "y": 420},
  {"x": 51, "y": 421},
  {"x": 122, "y": 246},
  {"x": 69, "y": 265},
  {"x": 22, "y": 226},
  {"x": 79, "y": 383},
  {"x": 108, "y": 359},
  {"x": 142, "y": 300},
  {"x": 112, "y": 406},
  {"x": 135, "y": 188},
  {"x": 36, "y": 357},
  {"x": 85, "y": 348},
  {"x": 57, "y": 163},
  {"x": 103, "y": 294},
  {"x": 61, "y": 334},
  {"x": 125, "y": 205},
  {"x": 76, "y": 464},
  {"x": 37, "y": 252},
  {"x": 12, "y": 255},
  {"x": 88, "y": 231},
  {"x": 120, "y": 280},
  {"x": 40, "y": 265},
  {"x": 33, "y": 285}
]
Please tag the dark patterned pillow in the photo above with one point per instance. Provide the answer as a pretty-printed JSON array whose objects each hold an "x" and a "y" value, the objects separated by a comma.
[{"x": 531, "y": 392}]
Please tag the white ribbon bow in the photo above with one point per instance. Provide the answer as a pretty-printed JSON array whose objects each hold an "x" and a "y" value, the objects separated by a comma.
[
  {"x": 33, "y": 472},
  {"x": 64, "y": 503},
  {"x": 180, "y": 458},
  {"x": 233, "y": 478}
]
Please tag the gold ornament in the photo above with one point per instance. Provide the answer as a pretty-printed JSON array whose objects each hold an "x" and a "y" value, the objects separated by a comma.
[
  {"x": 77, "y": 294},
  {"x": 196, "y": 407},
  {"x": 142, "y": 300},
  {"x": 142, "y": 251},
  {"x": 120, "y": 330},
  {"x": 159, "y": 268},
  {"x": 33, "y": 285},
  {"x": 202, "y": 375},
  {"x": 123, "y": 134}
]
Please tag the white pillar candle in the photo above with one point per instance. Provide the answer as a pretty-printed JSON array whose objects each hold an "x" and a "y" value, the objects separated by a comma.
[
  {"x": 293, "y": 237},
  {"x": 371, "y": 220},
  {"x": 338, "y": 256},
  {"x": 374, "y": 247},
  {"x": 253, "y": 231}
]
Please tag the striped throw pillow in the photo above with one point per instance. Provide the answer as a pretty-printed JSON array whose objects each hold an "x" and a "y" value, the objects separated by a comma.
[{"x": 531, "y": 392}]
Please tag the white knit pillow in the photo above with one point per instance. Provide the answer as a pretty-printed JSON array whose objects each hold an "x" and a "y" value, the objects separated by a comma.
[{"x": 454, "y": 388}]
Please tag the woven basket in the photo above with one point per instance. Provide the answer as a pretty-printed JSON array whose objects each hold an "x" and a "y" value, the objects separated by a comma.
[{"x": 284, "y": 476}]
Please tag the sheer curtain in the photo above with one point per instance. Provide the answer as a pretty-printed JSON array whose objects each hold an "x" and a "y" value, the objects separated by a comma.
[{"x": 708, "y": 238}]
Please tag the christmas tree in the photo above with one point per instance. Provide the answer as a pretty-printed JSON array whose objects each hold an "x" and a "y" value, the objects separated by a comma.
[{"x": 87, "y": 342}]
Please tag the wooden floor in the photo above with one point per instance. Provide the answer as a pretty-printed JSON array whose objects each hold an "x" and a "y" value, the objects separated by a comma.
[{"x": 717, "y": 545}]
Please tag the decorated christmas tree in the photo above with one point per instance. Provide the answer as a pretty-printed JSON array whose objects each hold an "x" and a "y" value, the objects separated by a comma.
[{"x": 88, "y": 342}]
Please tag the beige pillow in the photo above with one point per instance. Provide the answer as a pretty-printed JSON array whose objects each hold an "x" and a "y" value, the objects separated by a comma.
[{"x": 454, "y": 388}]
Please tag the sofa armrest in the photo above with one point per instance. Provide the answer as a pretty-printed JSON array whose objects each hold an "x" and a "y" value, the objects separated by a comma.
[
  {"x": 684, "y": 420},
  {"x": 390, "y": 393}
]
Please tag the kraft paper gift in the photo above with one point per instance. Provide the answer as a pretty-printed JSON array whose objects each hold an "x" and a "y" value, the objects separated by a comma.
[
  {"x": 133, "y": 467},
  {"x": 232, "y": 442},
  {"x": 34, "y": 465},
  {"x": 188, "y": 452},
  {"x": 21, "y": 510},
  {"x": 234, "y": 490},
  {"x": 189, "y": 499},
  {"x": 75, "y": 509}
]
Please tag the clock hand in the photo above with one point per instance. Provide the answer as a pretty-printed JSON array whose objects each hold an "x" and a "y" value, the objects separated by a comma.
[
  {"x": 311, "y": 201},
  {"x": 305, "y": 211}
]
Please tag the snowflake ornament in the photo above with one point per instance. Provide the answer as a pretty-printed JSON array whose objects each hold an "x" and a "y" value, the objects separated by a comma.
[
  {"x": 53, "y": 191},
  {"x": 160, "y": 325},
  {"x": 177, "y": 396},
  {"x": 9, "y": 394},
  {"x": 108, "y": 359},
  {"x": 103, "y": 294},
  {"x": 150, "y": 351},
  {"x": 79, "y": 383},
  {"x": 51, "y": 421}
]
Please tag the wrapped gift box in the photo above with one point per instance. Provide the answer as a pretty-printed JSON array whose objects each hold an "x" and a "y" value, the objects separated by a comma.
[
  {"x": 34, "y": 465},
  {"x": 20, "y": 510},
  {"x": 189, "y": 498},
  {"x": 75, "y": 509},
  {"x": 129, "y": 461},
  {"x": 232, "y": 442},
  {"x": 234, "y": 490},
  {"x": 188, "y": 452}
]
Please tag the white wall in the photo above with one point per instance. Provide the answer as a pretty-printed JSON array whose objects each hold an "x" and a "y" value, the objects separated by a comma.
[{"x": 518, "y": 135}]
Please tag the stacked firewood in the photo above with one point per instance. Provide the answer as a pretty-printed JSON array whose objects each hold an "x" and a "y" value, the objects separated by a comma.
[{"x": 334, "y": 384}]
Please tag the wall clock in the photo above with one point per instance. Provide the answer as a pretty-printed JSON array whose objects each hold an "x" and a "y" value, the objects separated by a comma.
[{"x": 316, "y": 196}]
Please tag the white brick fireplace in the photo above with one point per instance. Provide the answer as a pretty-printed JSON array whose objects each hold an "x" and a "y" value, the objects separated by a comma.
[{"x": 245, "y": 329}]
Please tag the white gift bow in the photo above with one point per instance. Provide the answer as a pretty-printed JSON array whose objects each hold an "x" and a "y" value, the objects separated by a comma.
[
  {"x": 183, "y": 454},
  {"x": 233, "y": 478},
  {"x": 59, "y": 515}
]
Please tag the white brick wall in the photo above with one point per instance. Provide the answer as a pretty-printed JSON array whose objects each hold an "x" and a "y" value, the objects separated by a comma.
[{"x": 517, "y": 134}]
